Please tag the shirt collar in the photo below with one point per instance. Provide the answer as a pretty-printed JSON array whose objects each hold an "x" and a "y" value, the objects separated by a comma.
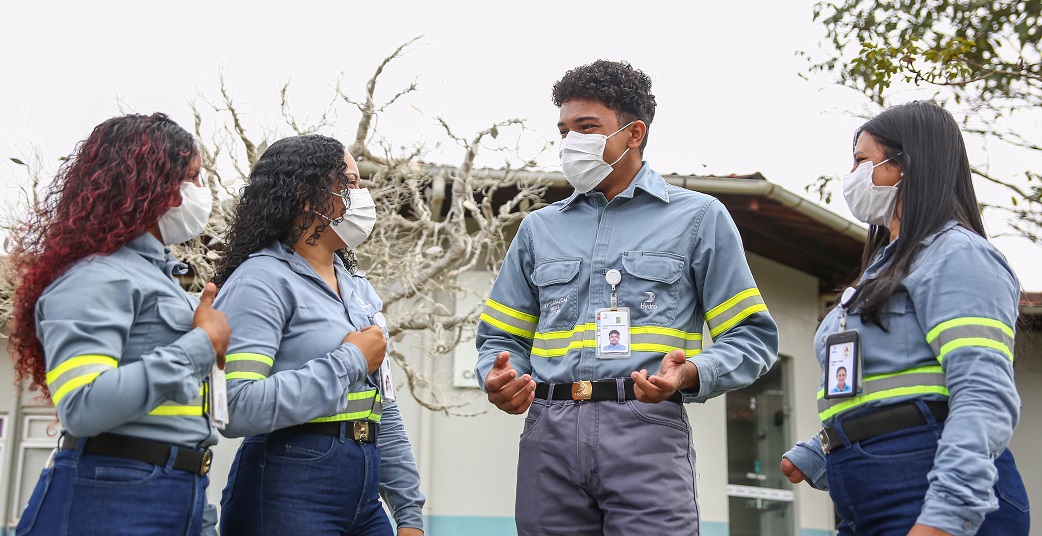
[
  {"x": 948, "y": 226},
  {"x": 286, "y": 254},
  {"x": 646, "y": 179},
  {"x": 152, "y": 250}
]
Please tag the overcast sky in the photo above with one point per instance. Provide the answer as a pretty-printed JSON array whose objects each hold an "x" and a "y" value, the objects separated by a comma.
[{"x": 726, "y": 77}]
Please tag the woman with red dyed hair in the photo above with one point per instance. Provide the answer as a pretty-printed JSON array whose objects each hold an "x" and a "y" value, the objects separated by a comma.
[{"x": 103, "y": 328}]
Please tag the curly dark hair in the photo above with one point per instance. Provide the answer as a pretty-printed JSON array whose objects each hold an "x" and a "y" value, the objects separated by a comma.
[
  {"x": 115, "y": 186},
  {"x": 293, "y": 177},
  {"x": 616, "y": 84}
]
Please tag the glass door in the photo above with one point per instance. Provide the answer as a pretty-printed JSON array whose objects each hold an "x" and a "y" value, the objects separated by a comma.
[{"x": 760, "y": 497}]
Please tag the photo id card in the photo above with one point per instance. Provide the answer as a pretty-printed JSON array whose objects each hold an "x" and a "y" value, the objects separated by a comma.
[
  {"x": 613, "y": 333},
  {"x": 218, "y": 399},
  {"x": 843, "y": 360}
]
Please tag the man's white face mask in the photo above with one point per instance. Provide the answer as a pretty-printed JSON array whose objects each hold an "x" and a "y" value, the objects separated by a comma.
[
  {"x": 869, "y": 203},
  {"x": 582, "y": 159}
]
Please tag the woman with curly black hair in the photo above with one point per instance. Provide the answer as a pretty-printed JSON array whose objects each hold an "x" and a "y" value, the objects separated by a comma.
[
  {"x": 305, "y": 381},
  {"x": 102, "y": 327}
]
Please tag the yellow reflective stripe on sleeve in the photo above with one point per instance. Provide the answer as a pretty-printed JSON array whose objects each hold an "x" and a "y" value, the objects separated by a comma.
[
  {"x": 244, "y": 376},
  {"x": 508, "y": 319},
  {"x": 247, "y": 356},
  {"x": 730, "y": 313},
  {"x": 77, "y": 372},
  {"x": 525, "y": 317},
  {"x": 79, "y": 361},
  {"x": 967, "y": 321},
  {"x": 970, "y": 331},
  {"x": 248, "y": 366},
  {"x": 976, "y": 341},
  {"x": 503, "y": 326},
  {"x": 72, "y": 384}
]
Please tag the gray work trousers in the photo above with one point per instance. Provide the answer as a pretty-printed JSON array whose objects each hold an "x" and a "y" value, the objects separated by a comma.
[{"x": 609, "y": 467}]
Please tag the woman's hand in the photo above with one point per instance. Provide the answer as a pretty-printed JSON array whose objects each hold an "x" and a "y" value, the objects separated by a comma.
[
  {"x": 370, "y": 340},
  {"x": 792, "y": 472}
]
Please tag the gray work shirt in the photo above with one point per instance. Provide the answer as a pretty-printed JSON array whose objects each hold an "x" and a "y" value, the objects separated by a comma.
[
  {"x": 122, "y": 355},
  {"x": 288, "y": 364}
]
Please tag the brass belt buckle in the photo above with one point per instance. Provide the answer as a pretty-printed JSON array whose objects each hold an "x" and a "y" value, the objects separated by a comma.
[
  {"x": 826, "y": 445},
  {"x": 582, "y": 390},
  {"x": 361, "y": 431},
  {"x": 204, "y": 467}
]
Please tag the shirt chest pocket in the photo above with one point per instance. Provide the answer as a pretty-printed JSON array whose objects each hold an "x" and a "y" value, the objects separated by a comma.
[
  {"x": 171, "y": 319},
  {"x": 649, "y": 286},
  {"x": 558, "y": 293}
]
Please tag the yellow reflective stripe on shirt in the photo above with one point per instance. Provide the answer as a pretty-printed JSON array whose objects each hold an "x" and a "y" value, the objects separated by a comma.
[
  {"x": 739, "y": 307},
  {"x": 360, "y": 405},
  {"x": 173, "y": 409},
  {"x": 918, "y": 381},
  {"x": 508, "y": 319},
  {"x": 247, "y": 366},
  {"x": 77, "y": 372},
  {"x": 970, "y": 331},
  {"x": 642, "y": 339}
]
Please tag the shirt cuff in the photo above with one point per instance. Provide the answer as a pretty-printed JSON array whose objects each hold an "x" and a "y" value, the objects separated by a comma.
[
  {"x": 810, "y": 460},
  {"x": 954, "y": 520},
  {"x": 199, "y": 350},
  {"x": 707, "y": 375},
  {"x": 409, "y": 517}
]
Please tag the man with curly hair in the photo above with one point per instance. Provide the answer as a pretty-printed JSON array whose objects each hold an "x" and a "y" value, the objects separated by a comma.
[{"x": 606, "y": 447}]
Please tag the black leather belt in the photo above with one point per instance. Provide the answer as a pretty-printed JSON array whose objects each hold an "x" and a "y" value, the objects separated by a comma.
[
  {"x": 364, "y": 431},
  {"x": 142, "y": 450},
  {"x": 596, "y": 390},
  {"x": 898, "y": 417}
]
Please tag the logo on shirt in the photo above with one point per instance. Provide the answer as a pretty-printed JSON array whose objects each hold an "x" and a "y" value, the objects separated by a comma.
[
  {"x": 647, "y": 304},
  {"x": 554, "y": 306}
]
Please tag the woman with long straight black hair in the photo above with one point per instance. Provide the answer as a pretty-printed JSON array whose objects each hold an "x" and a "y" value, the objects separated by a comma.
[{"x": 917, "y": 446}]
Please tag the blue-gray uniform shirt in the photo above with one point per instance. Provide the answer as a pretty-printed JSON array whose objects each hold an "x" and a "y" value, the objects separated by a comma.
[
  {"x": 122, "y": 355},
  {"x": 951, "y": 331},
  {"x": 288, "y": 364},
  {"x": 682, "y": 263}
]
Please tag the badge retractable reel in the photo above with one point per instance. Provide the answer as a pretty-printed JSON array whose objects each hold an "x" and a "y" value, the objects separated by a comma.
[
  {"x": 613, "y": 324},
  {"x": 843, "y": 355}
]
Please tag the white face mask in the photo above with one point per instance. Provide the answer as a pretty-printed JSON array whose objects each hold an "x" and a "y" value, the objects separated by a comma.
[
  {"x": 187, "y": 221},
  {"x": 358, "y": 222},
  {"x": 582, "y": 159},
  {"x": 869, "y": 203}
]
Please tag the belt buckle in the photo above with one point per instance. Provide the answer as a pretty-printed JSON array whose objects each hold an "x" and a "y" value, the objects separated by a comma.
[
  {"x": 204, "y": 467},
  {"x": 582, "y": 390},
  {"x": 361, "y": 431},
  {"x": 826, "y": 445}
]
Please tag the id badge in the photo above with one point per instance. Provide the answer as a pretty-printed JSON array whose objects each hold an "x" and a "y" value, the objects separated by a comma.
[
  {"x": 843, "y": 360},
  {"x": 218, "y": 399},
  {"x": 386, "y": 382},
  {"x": 613, "y": 333}
]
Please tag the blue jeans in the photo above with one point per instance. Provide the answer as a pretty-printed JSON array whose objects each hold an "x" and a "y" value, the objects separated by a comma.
[
  {"x": 288, "y": 482},
  {"x": 879, "y": 485},
  {"x": 94, "y": 494}
]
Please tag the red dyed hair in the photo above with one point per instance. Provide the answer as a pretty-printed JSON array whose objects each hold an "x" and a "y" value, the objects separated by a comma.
[{"x": 115, "y": 187}]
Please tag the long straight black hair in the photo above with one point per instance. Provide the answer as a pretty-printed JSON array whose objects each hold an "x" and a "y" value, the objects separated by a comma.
[{"x": 936, "y": 187}]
